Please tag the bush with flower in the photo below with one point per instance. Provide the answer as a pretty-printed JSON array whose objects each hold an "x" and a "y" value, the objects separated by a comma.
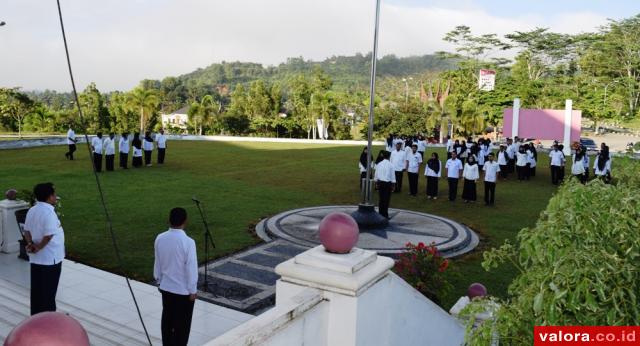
[{"x": 423, "y": 267}]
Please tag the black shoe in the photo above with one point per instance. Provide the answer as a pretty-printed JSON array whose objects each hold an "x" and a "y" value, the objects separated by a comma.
[{"x": 66, "y": 155}]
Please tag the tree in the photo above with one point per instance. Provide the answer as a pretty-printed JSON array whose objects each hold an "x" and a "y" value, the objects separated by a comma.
[
  {"x": 96, "y": 114},
  {"x": 15, "y": 105},
  {"x": 144, "y": 101}
]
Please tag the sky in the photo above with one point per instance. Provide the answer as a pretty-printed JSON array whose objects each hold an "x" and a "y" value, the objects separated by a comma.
[{"x": 117, "y": 43}]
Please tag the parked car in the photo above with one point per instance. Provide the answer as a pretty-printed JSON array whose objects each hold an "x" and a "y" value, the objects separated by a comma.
[{"x": 589, "y": 143}]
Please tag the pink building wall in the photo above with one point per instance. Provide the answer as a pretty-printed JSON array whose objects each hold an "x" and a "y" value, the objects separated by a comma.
[{"x": 542, "y": 124}]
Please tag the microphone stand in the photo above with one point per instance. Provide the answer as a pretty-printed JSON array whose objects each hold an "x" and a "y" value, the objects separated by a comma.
[{"x": 208, "y": 238}]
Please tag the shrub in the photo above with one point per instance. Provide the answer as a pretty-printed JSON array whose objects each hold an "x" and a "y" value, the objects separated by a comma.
[
  {"x": 424, "y": 268},
  {"x": 580, "y": 264}
]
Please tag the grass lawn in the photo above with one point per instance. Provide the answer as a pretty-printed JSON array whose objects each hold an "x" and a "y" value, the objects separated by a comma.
[{"x": 240, "y": 183}]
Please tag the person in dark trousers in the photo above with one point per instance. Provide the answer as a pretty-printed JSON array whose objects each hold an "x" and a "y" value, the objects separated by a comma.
[
  {"x": 123, "y": 149},
  {"x": 96, "y": 147},
  {"x": 147, "y": 146},
  {"x": 470, "y": 173},
  {"x": 45, "y": 244},
  {"x": 71, "y": 142},
  {"x": 454, "y": 168},
  {"x": 109, "y": 151},
  {"x": 161, "y": 139},
  {"x": 137, "y": 150},
  {"x": 491, "y": 169},
  {"x": 503, "y": 161},
  {"x": 433, "y": 172},
  {"x": 385, "y": 179},
  {"x": 556, "y": 158},
  {"x": 175, "y": 269},
  {"x": 397, "y": 159},
  {"x": 414, "y": 160}
]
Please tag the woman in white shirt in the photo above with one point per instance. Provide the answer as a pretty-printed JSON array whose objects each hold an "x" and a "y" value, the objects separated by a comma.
[
  {"x": 433, "y": 171},
  {"x": 533, "y": 159},
  {"x": 521, "y": 163},
  {"x": 362, "y": 164},
  {"x": 577, "y": 166},
  {"x": 602, "y": 166},
  {"x": 137, "y": 150},
  {"x": 470, "y": 173},
  {"x": 147, "y": 146}
]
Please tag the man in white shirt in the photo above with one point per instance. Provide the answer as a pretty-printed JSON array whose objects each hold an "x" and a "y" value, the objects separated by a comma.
[
  {"x": 109, "y": 151},
  {"x": 556, "y": 157},
  {"x": 96, "y": 147},
  {"x": 422, "y": 145},
  {"x": 398, "y": 158},
  {"x": 449, "y": 147},
  {"x": 491, "y": 169},
  {"x": 414, "y": 159},
  {"x": 511, "y": 152},
  {"x": 147, "y": 146},
  {"x": 71, "y": 142},
  {"x": 161, "y": 139},
  {"x": 454, "y": 168},
  {"x": 385, "y": 179},
  {"x": 123, "y": 148},
  {"x": 176, "y": 270},
  {"x": 45, "y": 244}
]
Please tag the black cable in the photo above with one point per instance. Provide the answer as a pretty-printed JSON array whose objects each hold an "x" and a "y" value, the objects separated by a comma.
[{"x": 95, "y": 173}]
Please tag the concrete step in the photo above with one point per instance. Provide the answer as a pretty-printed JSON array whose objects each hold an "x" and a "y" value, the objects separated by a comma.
[{"x": 14, "y": 308}]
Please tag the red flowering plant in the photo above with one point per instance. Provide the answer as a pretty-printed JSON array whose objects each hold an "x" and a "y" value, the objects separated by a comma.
[{"x": 423, "y": 267}]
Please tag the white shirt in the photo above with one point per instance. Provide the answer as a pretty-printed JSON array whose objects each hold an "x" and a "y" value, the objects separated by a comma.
[
  {"x": 422, "y": 146},
  {"x": 96, "y": 143},
  {"x": 557, "y": 157},
  {"x": 503, "y": 157},
  {"x": 491, "y": 169},
  {"x": 413, "y": 162},
  {"x": 521, "y": 159},
  {"x": 109, "y": 146},
  {"x": 430, "y": 173},
  {"x": 398, "y": 158},
  {"x": 453, "y": 168},
  {"x": 385, "y": 172},
  {"x": 42, "y": 221},
  {"x": 176, "y": 266},
  {"x": 531, "y": 158},
  {"x": 511, "y": 151},
  {"x": 577, "y": 167},
  {"x": 147, "y": 145},
  {"x": 123, "y": 145},
  {"x": 162, "y": 141},
  {"x": 449, "y": 145},
  {"x": 470, "y": 172},
  {"x": 71, "y": 136},
  {"x": 597, "y": 171},
  {"x": 137, "y": 152}
]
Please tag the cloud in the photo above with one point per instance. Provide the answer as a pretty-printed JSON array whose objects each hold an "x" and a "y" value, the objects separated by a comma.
[{"x": 117, "y": 43}]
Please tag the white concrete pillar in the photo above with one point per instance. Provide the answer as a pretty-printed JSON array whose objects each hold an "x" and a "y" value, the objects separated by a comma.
[
  {"x": 516, "y": 118},
  {"x": 9, "y": 230},
  {"x": 568, "y": 110}
]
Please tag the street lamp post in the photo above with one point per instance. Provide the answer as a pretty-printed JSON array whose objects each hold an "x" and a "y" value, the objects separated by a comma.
[{"x": 366, "y": 215}]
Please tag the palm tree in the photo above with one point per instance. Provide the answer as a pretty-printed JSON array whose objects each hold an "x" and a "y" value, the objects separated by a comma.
[{"x": 145, "y": 101}]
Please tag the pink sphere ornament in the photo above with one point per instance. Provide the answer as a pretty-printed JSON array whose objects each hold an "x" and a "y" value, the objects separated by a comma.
[
  {"x": 50, "y": 329},
  {"x": 338, "y": 232},
  {"x": 11, "y": 194},
  {"x": 476, "y": 290}
]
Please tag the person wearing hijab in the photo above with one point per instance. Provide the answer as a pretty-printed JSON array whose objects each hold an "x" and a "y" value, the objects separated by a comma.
[
  {"x": 491, "y": 169},
  {"x": 521, "y": 163},
  {"x": 450, "y": 147},
  {"x": 414, "y": 159},
  {"x": 464, "y": 151},
  {"x": 390, "y": 142},
  {"x": 147, "y": 146},
  {"x": 577, "y": 166},
  {"x": 137, "y": 150},
  {"x": 602, "y": 165},
  {"x": 532, "y": 154},
  {"x": 363, "y": 164},
  {"x": 433, "y": 171},
  {"x": 470, "y": 173}
]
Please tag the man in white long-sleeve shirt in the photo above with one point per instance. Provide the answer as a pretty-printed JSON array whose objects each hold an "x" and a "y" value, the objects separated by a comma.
[
  {"x": 176, "y": 270},
  {"x": 398, "y": 159},
  {"x": 385, "y": 179}
]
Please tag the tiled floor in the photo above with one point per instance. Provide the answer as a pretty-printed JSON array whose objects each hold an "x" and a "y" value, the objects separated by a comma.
[{"x": 86, "y": 291}]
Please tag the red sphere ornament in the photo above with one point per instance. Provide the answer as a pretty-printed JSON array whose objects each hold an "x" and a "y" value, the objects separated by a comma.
[
  {"x": 476, "y": 290},
  {"x": 338, "y": 232},
  {"x": 50, "y": 329}
]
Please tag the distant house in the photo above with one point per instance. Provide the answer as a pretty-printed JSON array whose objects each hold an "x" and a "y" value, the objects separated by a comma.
[{"x": 177, "y": 119}]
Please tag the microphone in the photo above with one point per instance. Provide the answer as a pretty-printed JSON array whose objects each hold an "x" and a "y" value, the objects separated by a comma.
[{"x": 195, "y": 199}]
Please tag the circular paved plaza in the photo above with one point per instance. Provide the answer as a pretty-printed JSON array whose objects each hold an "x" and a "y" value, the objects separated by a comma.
[{"x": 300, "y": 227}]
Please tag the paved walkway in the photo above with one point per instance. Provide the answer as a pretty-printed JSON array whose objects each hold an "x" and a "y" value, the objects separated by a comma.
[{"x": 103, "y": 305}]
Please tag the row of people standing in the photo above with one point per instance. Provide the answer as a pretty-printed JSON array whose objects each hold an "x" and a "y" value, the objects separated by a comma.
[
  {"x": 141, "y": 148},
  {"x": 580, "y": 163}
]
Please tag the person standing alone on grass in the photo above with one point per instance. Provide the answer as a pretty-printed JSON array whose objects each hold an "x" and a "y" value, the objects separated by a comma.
[
  {"x": 414, "y": 159},
  {"x": 491, "y": 169},
  {"x": 161, "y": 139},
  {"x": 398, "y": 158},
  {"x": 71, "y": 142},
  {"x": 96, "y": 147},
  {"x": 45, "y": 245},
  {"x": 175, "y": 269},
  {"x": 454, "y": 168},
  {"x": 385, "y": 179},
  {"x": 147, "y": 146}
]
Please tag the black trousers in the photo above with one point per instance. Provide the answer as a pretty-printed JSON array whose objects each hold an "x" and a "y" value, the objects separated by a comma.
[
  {"x": 398, "y": 181},
  {"x": 72, "y": 149},
  {"x": 147, "y": 157},
  {"x": 136, "y": 161},
  {"x": 384, "y": 191},
  {"x": 108, "y": 159},
  {"x": 413, "y": 183},
  {"x": 453, "y": 188},
  {"x": 44, "y": 286},
  {"x": 432, "y": 186},
  {"x": 161, "y": 155},
  {"x": 521, "y": 172},
  {"x": 511, "y": 164},
  {"x": 177, "y": 311},
  {"x": 124, "y": 157},
  {"x": 503, "y": 171},
  {"x": 97, "y": 161},
  {"x": 555, "y": 175},
  {"x": 469, "y": 190},
  {"x": 489, "y": 192}
]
